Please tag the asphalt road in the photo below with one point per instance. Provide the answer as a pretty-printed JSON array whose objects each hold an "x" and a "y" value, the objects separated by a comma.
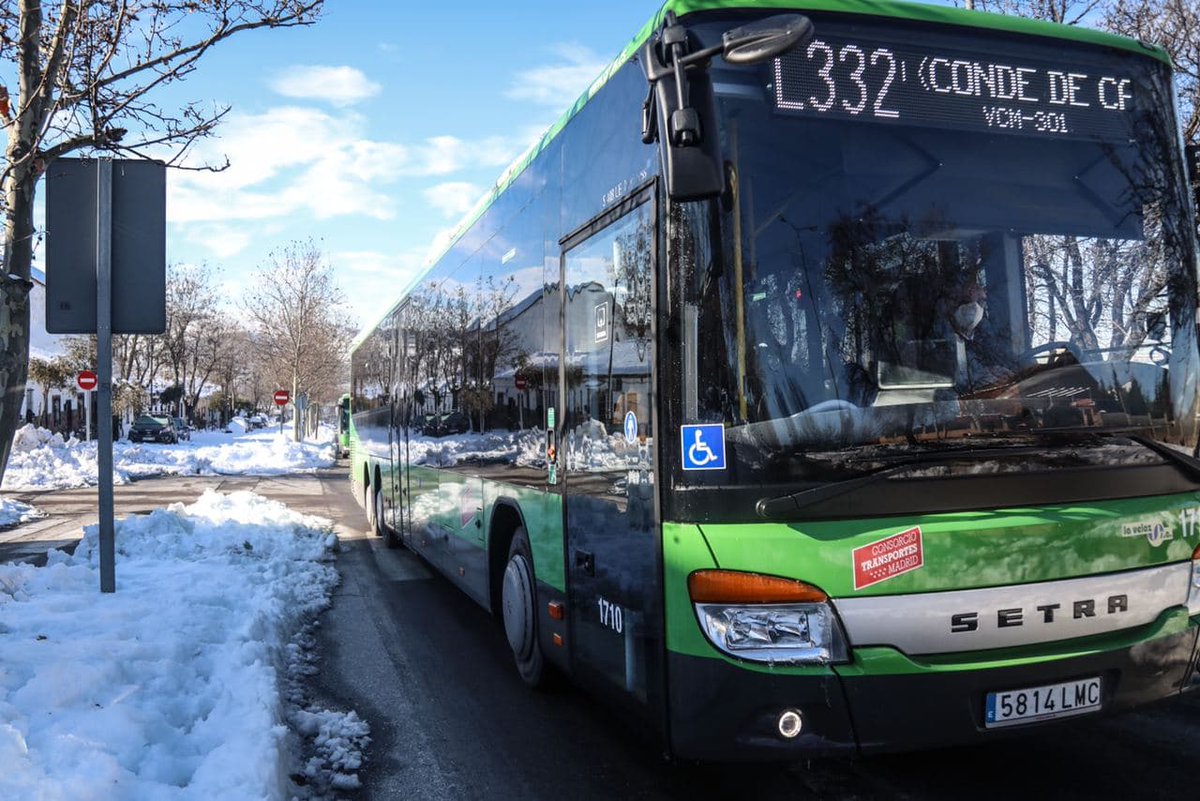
[{"x": 430, "y": 672}]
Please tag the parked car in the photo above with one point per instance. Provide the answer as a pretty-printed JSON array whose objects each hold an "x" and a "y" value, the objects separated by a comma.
[
  {"x": 183, "y": 429},
  {"x": 149, "y": 428},
  {"x": 448, "y": 423},
  {"x": 257, "y": 421}
]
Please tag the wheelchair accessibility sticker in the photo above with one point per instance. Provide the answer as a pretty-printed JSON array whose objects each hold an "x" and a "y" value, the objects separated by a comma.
[{"x": 703, "y": 446}]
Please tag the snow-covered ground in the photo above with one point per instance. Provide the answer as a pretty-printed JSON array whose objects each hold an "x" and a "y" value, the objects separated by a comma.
[
  {"x": 41, "y": 460},
  {"x": 186, "y": 682}
]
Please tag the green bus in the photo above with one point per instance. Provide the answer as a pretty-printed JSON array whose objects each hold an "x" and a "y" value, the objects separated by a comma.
[
  {"x": 825, "y": 380},
  {"x": 343, "y": 426}
]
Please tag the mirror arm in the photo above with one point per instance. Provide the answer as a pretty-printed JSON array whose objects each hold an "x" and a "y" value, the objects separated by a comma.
[
  {"x": 649, "y": 117},
  {"x": 684, "y": 122},
  {"x": 700, "y": 56}
]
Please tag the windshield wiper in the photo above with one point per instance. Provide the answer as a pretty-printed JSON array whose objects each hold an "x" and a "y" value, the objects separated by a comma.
[
  {"x": 1186, "y": 464},
  {"x": 786, "y": 505}
]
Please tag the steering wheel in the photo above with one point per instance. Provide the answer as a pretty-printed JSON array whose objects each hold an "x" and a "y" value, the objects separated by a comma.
[{"x": 1030, "y": 355}]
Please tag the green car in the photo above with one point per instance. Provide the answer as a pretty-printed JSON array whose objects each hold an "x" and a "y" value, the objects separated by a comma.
[{"x": 148, "y": 428}]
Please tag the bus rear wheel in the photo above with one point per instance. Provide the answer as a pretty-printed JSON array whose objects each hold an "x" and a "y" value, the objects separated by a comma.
[
  {"x": 373, "y": 504},
  {"x": 518, "y": 606},
  {"x": 368, "y": 505}
]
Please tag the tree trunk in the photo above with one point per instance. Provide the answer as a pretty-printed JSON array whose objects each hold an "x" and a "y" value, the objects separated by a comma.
[
  {"x": 19, "y": 186},
  {"x": 295, "y": 401},
  {"x": 14, "y": 299}
]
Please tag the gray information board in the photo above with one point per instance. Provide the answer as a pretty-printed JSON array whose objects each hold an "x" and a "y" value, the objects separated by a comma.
[{"x": 139, "y": 245}]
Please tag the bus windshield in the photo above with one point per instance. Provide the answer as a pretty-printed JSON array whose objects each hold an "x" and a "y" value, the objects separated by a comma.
[{"x": 895, "y": 277}]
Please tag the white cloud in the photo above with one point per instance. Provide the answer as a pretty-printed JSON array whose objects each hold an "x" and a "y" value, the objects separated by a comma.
[
  {"x": 441, "y": 241},
  {"x": 442, "y": 155},
  {"x": 341, "y": 86},
  {"x": 223, "y": 241},
  {"x": 293, "y": 159},
  {"x": 453, "y": 198},
  {"x": 372, "y": 280},
  {"x": 559, "y": 84},
  {"x": 286, "y": 160}
]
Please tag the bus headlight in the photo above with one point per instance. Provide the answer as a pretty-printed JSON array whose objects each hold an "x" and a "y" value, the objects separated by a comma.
[
  {"x": 778, "y": 633},
  {"x": 767, "y": 618}
]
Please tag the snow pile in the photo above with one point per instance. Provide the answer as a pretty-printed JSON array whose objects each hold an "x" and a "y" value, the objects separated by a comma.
[
  {"x": 14, "y": 512},
  {"x": 337, "y": 740},
  {"x": 29, "y": 438},
  {"x": 267, "y": 454},
  {"x": 177, "y": 685},
  {"x": 41, "y": 460}
]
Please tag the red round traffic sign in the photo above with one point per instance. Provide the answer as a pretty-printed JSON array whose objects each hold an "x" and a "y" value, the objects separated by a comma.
[
  {"x": 521, "y": 382},
  {"x": 281, "y": 397},
  {"x": 86, "y": 380}
]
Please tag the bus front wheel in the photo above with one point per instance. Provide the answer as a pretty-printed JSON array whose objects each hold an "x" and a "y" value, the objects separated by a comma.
[{"x": 519, "y": 607}]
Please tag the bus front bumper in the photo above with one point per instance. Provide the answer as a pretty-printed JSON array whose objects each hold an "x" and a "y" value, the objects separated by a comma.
[{"x": 884, "y": 701}]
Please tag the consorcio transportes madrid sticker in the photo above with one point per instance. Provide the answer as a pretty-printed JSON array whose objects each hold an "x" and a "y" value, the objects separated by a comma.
[{"x": 890, "y": 557}]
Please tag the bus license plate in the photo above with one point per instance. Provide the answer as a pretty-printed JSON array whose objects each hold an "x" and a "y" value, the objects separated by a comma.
[{"x": 1012, "y": 707}]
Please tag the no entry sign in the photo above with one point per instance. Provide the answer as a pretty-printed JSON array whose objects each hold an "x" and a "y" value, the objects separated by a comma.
[
  {"x": 281, "y": 397},
  {"x": 86, "y": 380}
]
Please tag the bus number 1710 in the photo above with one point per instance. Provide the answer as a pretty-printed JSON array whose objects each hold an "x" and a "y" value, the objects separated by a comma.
[{"x": 610, "y": 615}]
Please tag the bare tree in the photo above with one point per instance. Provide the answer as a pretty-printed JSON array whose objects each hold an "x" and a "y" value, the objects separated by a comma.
[
  {"x": 235, "y": 368},
  {"x": 88, "y": 72},
  {"x": 192, "y": 341},
  {"x": 1067, "y": 12},
  {"x": 301, "y": 322},
  {"x": 1175, "y": 26}
]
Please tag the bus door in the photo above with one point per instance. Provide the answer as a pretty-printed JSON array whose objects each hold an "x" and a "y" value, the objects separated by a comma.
[{"x": 607, "y": 449}]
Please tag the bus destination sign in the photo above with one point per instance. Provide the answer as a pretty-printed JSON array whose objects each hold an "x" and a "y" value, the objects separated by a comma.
[{"x": 846, "y": 78}]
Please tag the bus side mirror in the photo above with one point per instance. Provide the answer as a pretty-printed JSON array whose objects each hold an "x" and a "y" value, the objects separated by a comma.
[
  {"x": 766, "y": 39},
  {"x": 681, "y": 104}
]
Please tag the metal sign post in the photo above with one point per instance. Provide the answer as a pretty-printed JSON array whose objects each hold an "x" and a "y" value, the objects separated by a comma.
[
  {"x": 104, "y": 456},
  {"x": 105, "y": 253},
  {"x": 281, "y": 400},
  {"x": 300, "y": 402},
  {"x": 86, "y": 381}
]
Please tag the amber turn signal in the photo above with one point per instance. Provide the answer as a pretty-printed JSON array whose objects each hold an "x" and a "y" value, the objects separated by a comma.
[{"x": 732, "y": 587}]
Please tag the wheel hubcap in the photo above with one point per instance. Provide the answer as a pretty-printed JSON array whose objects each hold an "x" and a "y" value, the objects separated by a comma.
[{"x": 517, "y": 603}]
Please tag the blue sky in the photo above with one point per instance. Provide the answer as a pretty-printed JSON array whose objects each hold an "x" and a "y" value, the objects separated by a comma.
[{"x": 376, "y": 129}]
